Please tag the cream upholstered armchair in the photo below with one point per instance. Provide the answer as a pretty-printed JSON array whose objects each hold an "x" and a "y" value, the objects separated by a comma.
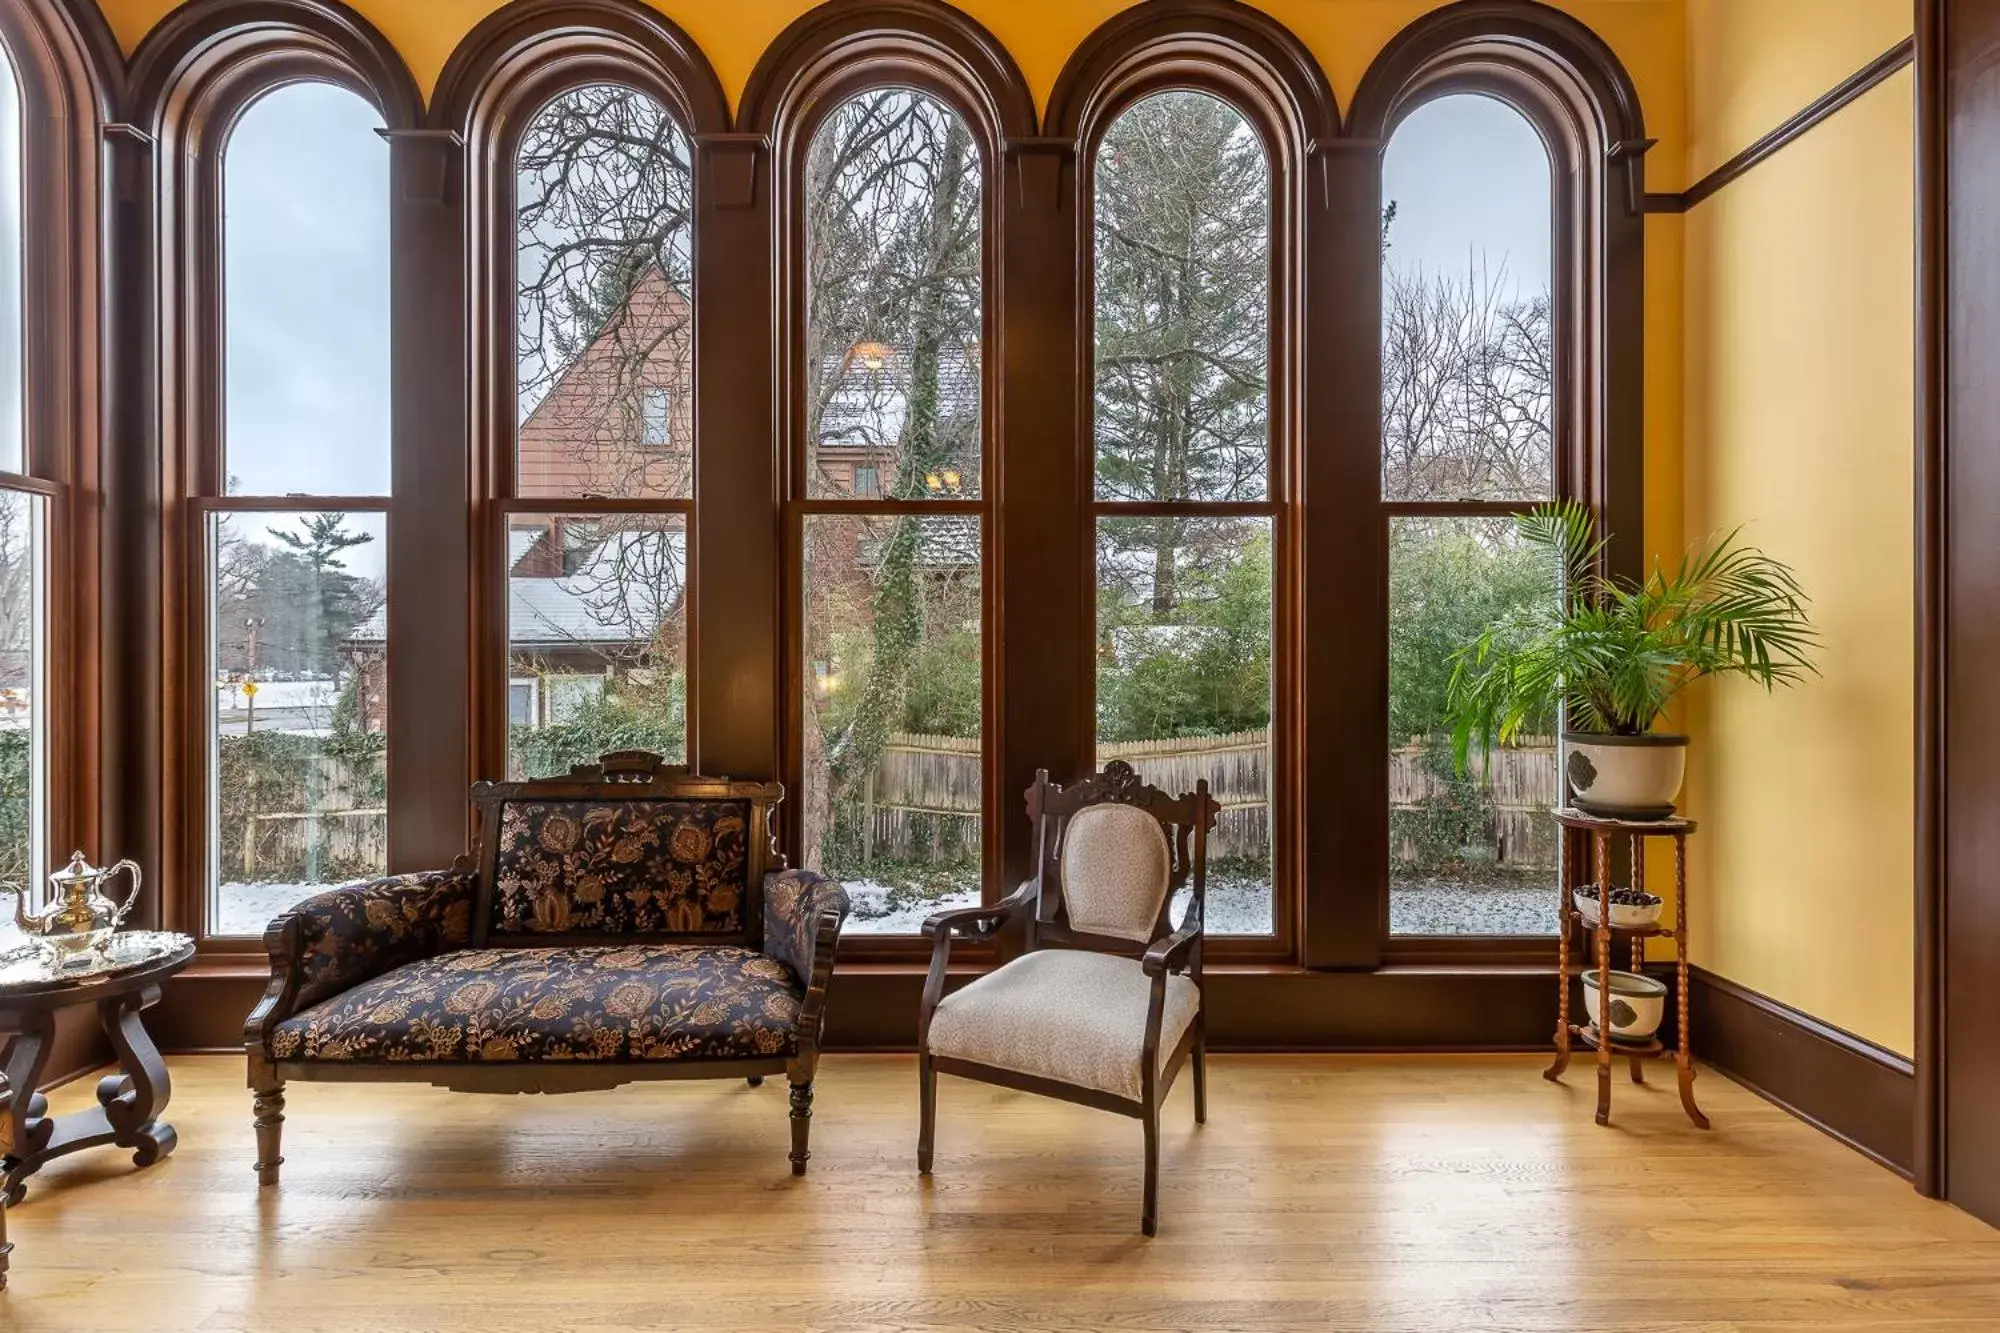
[{"x": 1097, "y": 1022}]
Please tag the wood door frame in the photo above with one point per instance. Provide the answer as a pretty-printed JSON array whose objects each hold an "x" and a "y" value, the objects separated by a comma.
[{"x": 1957, "y": 706}]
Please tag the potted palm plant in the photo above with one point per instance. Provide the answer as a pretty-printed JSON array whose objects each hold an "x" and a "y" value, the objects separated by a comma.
[{"x": 1607, "y": 657}]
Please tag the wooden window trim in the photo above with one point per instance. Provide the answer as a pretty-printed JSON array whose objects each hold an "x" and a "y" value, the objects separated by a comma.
[
  {"x": 66, "y": 65},
  {"x": 195, "y": 75},
  {"x": 1262, "y": 72},
  {"x": 506, "y": 70},
  {"x": 822, "y": 60},
  {"x": 1037, "y": 551},
  {"x": 1563, "y": 80}
]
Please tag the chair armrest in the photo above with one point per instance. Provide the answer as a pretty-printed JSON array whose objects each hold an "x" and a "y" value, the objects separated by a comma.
[
  {"x": 334, "y": 941},
  {"x": 972, "y": 923},
  {"x": 977, "y": 923},
  {"x": 1175, "y": 951}
]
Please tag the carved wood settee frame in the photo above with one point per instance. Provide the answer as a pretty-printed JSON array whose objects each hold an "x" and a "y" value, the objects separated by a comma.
[{"x": 621, "y": 776}]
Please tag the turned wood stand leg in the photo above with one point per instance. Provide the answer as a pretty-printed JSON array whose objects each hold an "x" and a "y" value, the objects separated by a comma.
[
  {"x": 1684, "y": 1056},
  {"x": 6, "y": 1247},
  {"x": 1601, "y": 848},
  {"x": 1565, "y": 923}
]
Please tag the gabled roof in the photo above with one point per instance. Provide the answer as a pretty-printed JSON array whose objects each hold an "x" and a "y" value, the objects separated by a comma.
[
  {"x": 622, "y": 590},
  {"x": 867, "y": 408}
]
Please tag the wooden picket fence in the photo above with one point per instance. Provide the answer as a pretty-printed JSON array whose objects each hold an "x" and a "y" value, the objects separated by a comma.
[{"x": 923, "y": 800}]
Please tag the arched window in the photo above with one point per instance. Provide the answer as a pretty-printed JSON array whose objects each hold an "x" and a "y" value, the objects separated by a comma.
[
  {"x": 1469, "y": 408},
  {"x": 24, "y": 520},
  {"x": 597, "y": 523},
  {"x": 13, "y": 371},
  {"x": 1512, "y": 373},
  {"x": 890, "y": 490},
  {"x": 1186, "y": 525},
  {"x": 296, "y": 521}
]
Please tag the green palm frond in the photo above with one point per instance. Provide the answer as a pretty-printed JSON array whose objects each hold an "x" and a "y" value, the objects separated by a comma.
[{"x": 1611, "y": 656}]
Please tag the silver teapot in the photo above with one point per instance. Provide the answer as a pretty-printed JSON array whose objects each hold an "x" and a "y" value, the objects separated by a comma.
[{"x": 81, "y": 919}]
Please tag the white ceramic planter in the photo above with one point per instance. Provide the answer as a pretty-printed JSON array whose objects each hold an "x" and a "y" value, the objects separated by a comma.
[
  {"x": 1638, "y": 1003},
  {"x": 1624, "y": 777}
]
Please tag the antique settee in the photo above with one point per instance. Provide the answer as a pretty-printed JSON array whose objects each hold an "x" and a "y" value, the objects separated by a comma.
[{"x": 626, "y": 922}]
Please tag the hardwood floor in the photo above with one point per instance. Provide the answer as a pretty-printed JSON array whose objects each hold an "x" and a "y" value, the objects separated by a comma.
[{"x": 1398, "y": 1193}]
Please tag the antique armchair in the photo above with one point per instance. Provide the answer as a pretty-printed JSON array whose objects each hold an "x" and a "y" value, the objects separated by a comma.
[
  {"x": 626, "y": 922},
  {"x": 1094, "y": 1021}
]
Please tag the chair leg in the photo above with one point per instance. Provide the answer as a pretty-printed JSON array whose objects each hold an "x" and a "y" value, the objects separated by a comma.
[
  {"x": 268, "y": 1103},
  {"x": 1149, "y": 1219},
  {"x": 1200, "y": 1058},
  {"x": 802, "y": 1110},
  {"x": 755, "y": 1080},
  {"x": 927, "y": 1120}
]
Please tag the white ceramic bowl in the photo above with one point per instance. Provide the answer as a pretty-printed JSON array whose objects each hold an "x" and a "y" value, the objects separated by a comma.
[
  {"x": 1623, "y": 916},
  {"x": 1638, "y": 1003}
]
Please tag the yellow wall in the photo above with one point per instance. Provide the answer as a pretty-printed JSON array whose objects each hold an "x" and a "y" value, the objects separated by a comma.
[{"x": 1799, "y": 425}]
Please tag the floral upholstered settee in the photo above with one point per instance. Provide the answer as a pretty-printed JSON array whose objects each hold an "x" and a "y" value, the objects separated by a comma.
[{"x": 626, "y": 922}]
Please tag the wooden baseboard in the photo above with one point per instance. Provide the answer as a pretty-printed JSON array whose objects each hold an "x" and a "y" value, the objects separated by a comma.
[{"x": 1852, "y": 1089}]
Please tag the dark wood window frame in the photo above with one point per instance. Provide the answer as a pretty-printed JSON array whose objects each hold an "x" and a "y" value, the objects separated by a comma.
[
  {"x": 1262, "y": 72},
  {"x": 453, "y": 350},
  {"x": 1570, "y": 88},
  {"x": 819, "y": 63},
  {"x": 64, "y": 66},
  {"x": 495, "y": 433},
  {"x": 197, "y": 74},
  {"x": 461, "y": 167}
]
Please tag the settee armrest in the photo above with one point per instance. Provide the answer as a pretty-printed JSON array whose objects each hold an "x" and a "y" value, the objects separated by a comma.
[
  {"x": 334, "y": 941},
  {"x": 803, "y": 914}
]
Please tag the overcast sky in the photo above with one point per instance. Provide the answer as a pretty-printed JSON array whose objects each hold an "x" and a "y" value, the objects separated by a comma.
[
  {"x": 1470, "y": 181},
  {"x": 307, "y": 216}
]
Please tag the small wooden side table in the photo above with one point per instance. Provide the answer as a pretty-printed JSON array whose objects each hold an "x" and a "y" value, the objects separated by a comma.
[
  {"x": 1601, "y": 831},
  {"x": 130, "y": 1101}
]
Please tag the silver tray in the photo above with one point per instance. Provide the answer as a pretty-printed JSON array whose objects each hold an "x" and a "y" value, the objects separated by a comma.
[{"x": 34, "y": 963}]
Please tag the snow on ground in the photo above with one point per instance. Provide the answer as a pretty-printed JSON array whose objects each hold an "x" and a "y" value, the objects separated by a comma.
[
  {"x": 1237, "y": 905},
  {"x": 1241, "y": 905},
  {"x": 279, "y": 694}
]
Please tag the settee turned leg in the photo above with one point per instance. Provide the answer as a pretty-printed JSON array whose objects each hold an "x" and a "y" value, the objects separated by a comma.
[
  {"x": 802, "y": 1110},
  {"x": 269, "y": 1104},
  {"x": 755, "y": 1080}
]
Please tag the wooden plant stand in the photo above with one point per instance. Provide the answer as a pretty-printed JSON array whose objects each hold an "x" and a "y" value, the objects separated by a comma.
[{"x": 1600, "y": 833}]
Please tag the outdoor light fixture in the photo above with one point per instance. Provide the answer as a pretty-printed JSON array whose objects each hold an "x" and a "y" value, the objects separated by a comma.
[{"x": 873, "y": 355}]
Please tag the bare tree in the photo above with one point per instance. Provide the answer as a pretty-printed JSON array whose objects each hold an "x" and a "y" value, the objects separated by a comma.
[
  {"x": 603, "y": 291},
  {"x": 1468, "y": 380}
]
